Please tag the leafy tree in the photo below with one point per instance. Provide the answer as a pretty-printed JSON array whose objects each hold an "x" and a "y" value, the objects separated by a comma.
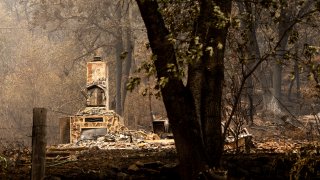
[
  {"x": 194, "y": 108},
  {"x": 193, "y": 44}
]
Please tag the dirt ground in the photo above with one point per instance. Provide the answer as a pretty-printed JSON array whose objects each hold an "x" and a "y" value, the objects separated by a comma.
[
  {"x": 272, "y": 156},
  {"x": 159, "y": 163},
  {"x": 94, "y": 163}
]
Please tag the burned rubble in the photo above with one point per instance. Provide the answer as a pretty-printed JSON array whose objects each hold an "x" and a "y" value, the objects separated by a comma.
[{"x": 124, "y": 140}]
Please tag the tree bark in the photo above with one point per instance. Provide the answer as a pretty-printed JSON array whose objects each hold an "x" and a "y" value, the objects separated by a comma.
[
  {"x": 283, "y": 36},
  {"x": 128, "y": 60},
  {"x": 119, "y": 50},
  {"x": 296, "y": 76},
  {"x": 212, "y": 77}
]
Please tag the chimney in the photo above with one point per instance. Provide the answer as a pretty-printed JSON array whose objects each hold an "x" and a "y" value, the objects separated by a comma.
[{"x": 97, "y": 83}]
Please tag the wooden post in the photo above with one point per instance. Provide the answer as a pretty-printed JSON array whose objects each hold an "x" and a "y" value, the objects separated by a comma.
[{"x": 39, "y": 143}]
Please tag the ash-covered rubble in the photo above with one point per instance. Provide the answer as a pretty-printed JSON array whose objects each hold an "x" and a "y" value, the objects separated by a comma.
[
  {"x": 237, "y": 140},
  {"x": 94, "y": 111},
  {"x": 128, "y": 139},
  {"x": 135, "y": 140}
]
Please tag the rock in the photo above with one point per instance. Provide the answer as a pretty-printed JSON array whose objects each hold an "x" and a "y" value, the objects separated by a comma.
[
  {"x": 122, "y": 175},
  {"x": 153, "y": 137},
  {"x": 170, "y": 166},
  {"x": 139, "y": 163},
  {"x": 101, "y": 139},
  {"x": 110, "y": 138},
  {"x": 133, "y": 167},
  {"x": 155, "y": 164},
  {"x": 123, "y": 137},
  {"x": 142, "y": 145}
]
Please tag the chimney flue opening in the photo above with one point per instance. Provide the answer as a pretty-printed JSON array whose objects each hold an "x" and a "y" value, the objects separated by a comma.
[{"x": 97, "y": 58}]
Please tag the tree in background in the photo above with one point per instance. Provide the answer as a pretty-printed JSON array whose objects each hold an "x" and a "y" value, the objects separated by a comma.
[{"x": 258, "y": 40}]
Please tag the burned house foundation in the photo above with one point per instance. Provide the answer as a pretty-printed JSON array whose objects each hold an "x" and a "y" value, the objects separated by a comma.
[{"x": 88, "y": 124}]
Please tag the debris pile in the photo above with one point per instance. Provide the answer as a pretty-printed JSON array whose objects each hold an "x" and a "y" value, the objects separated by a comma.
[
  {"x": 125, "y": 140},
  {"x": 237, "y": 140},
  {"x": 95, "y": 111},
  {"x": 282, "y": 145}
]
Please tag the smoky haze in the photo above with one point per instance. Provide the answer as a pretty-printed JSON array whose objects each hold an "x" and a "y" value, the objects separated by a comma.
[{"x": 43, "y": 63}]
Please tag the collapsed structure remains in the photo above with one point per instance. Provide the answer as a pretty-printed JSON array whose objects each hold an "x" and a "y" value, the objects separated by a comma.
[{"x": 96, "y": 118}]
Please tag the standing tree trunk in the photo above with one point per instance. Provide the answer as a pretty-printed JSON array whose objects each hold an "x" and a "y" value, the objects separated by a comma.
[
  {"x": 212, "y": 76},
  {"x": 129, "y": 57},
  {"x": 283, "y": 37},
  {"x": 194, "y": 110},
  {"x": 296, "y": 77},
  {"x": 252, "y": 51},
  {"x": 119, "y": 51}
]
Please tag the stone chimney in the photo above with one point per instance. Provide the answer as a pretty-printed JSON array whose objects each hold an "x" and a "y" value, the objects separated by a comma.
[{"x": 97, "y": 83}]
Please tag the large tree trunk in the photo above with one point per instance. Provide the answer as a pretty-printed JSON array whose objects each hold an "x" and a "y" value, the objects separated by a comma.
[
  {"x": 194, "y": 111},
  {"x": 212, "y": 77}
]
